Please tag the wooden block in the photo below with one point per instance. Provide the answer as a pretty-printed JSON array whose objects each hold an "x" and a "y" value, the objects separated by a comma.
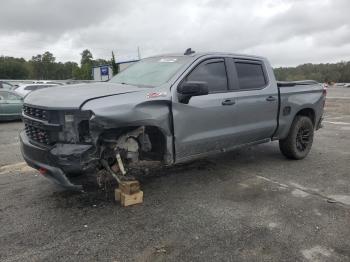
[
  {"x": 117, "y": 193},
  {"x": 129, "y": 187},
  {"x": 133, "y": 199}
]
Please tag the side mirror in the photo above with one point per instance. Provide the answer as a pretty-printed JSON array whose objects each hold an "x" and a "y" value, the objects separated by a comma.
[{"x": 191, "y": 88}]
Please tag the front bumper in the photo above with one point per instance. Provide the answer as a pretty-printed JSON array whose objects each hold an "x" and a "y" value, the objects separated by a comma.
[{"x": 56, "y": 161}]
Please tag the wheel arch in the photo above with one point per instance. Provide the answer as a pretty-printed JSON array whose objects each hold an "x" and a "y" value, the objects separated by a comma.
[
  {"x": 285, "y": 122},
  {"x": 308, "y": 112},
  {"x": 161, "y": 142}
]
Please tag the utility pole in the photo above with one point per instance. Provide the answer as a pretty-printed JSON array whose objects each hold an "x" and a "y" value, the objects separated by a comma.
[{"x": 138, "y": 53}]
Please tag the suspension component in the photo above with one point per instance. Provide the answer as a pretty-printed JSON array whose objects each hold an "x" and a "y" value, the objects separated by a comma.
[{"x": 120, "y": 164}]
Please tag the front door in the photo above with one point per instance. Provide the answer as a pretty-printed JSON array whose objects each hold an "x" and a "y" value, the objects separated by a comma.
[{"x": 204, "y": 124}]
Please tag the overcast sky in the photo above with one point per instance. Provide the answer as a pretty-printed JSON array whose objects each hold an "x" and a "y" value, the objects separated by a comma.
[{"x": 288, "y": 32}]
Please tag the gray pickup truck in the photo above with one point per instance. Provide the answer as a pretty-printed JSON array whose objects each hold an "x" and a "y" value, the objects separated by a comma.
[{"x": 167, "y": 109}]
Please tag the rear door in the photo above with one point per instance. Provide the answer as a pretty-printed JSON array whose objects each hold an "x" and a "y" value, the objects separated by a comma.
[
  {"x": 255, "y": 110},
  {"x": 204, "y": 124}
]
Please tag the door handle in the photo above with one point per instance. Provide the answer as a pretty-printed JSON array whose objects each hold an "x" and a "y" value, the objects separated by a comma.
[
  {"x": 271, "y": 98},
  {"x": 228, "y": 102}
]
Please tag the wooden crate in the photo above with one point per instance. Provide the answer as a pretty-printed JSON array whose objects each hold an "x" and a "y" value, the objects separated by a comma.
[
  {"x": 129, "y": 193},
  {"x": 133, "y": 199},
  {"x": 129, "y": 187}
]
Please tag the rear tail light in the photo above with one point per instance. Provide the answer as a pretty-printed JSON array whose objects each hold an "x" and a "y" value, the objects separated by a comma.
[
  {"x": 42, "y": 170},
  {"x": 324, "y": 93}
]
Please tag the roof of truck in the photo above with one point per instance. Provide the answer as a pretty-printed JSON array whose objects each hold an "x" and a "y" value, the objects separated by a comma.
[{"x": 200, "y": 54}]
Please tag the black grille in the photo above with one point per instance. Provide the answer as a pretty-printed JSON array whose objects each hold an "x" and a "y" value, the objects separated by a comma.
[
  {"x": 35, "y": 112},
  {"x": 38, "y": 134}
]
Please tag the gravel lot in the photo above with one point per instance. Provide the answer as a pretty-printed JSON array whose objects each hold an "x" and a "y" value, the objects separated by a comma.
[{"x": 247, "y": 205}]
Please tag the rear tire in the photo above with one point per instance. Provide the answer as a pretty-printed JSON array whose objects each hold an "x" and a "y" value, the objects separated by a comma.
[{"x": 297, "y": 144}]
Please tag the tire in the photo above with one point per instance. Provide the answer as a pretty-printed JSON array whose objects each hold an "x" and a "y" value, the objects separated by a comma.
[{"x": 298, "y": 143}]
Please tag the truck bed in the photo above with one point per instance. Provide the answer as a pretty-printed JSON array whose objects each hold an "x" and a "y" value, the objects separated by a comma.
[{"x": 298, "y": 94}]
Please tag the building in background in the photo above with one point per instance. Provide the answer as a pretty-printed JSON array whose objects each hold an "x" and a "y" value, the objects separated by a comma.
[{"x": 102, "y": 73}]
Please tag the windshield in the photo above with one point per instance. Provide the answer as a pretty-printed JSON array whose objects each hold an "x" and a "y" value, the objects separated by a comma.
[{"x": 150, "y": 72}]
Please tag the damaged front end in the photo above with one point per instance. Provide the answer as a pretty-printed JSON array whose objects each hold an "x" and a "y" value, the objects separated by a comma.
[
  {"x": 129, "y": 152},
  {"x": 53, "y": 142},
  {"x": 69, "y": 145}
]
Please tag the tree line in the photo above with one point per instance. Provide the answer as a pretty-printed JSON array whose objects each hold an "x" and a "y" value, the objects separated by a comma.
[
  {"x": 323, "y": 73},
  {"x": 44, "y": 67}
]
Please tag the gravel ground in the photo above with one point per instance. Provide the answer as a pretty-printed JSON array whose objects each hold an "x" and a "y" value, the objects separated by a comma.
[{"x": 247, "y": 205}]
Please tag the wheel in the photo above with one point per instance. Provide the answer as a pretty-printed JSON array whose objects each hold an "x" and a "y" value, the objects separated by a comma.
[{"x": 299, "y": 140}]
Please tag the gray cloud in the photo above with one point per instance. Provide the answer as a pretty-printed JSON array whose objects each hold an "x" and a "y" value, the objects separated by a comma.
[
  {"x": 55, "y": 17},
  {"x": 289, "y": 32}
]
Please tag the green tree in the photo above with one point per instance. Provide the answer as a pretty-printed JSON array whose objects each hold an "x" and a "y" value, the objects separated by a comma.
[
  {"x": 86, "y": 63},
  {"x": 99, "y": 62},
  {"x": 48, "y": 57},
  {"x": 49, "y": 66},
  {"x": 13, "y": 68},
  {"x": 115, "y": 66},
  {"x": 86, "y": 57},
  {"x": 37, "y": 68},
  {"x": 41, "y": 66}
]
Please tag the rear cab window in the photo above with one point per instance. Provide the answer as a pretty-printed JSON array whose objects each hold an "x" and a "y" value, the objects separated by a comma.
[{"x": 251, "y": 75}]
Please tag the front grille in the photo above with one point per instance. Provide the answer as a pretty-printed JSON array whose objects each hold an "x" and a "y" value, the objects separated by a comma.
[
  {"x": 38, "y": 134},
  {"x": 37, "y": 113}
]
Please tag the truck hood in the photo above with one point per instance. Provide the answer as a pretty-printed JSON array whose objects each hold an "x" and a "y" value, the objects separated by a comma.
[{"x": 74, "y": 96}]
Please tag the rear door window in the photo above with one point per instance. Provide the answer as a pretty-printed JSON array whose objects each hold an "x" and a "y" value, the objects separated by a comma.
[
  {"x": 250, "y": 75},
  {"x": 213, "y": 72}
]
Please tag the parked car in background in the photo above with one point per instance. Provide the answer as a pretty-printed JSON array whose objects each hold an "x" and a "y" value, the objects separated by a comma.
[
  {"x": 47, "y": 82},
  {"x": 6, "y": 85},
  {"x": 347, "y": 85},
  {"x": 10, "y": 105},
  {"x": 25, "y": 89}
]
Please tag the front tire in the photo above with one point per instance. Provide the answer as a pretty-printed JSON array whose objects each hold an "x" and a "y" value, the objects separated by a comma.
[{"x": 297, "y": 144}]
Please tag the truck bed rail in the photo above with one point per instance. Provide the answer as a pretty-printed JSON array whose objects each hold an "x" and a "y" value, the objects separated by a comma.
[{"x": 295, "y": 83}]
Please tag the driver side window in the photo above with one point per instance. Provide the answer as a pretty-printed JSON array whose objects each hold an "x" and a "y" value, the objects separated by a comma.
[{"x": 213, "y": 72}]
